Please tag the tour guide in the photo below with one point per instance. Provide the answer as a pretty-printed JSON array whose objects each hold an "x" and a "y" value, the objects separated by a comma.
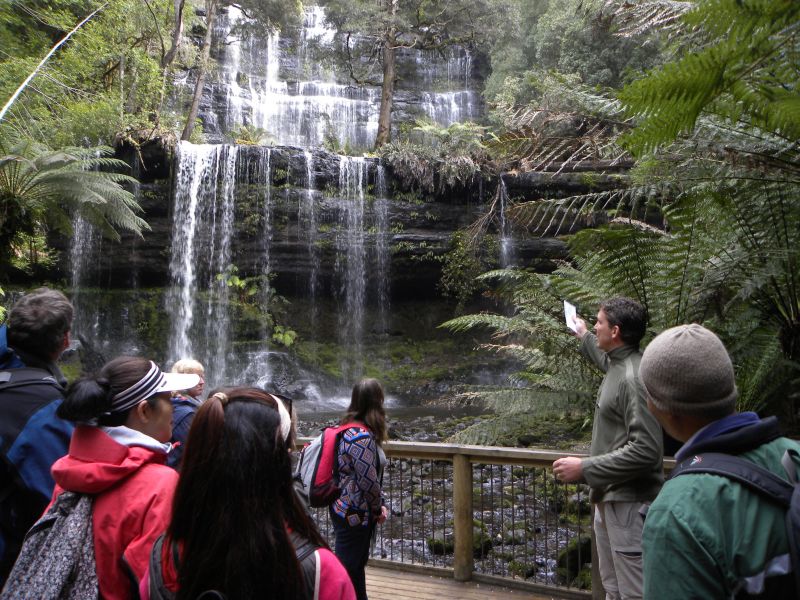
[{"x": 625, "y": 467}]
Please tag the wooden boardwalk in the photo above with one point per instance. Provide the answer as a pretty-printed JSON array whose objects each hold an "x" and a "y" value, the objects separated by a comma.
[{"x": 393, "y": 584}]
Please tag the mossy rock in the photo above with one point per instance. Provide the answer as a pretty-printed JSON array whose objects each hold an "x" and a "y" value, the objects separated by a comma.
[
  {"x": 568, "y": 562},
  {"x": 516, "y": 535},
  {"x": 522, "y": 569},
  {"x": 584, "y": 579},
  {"x": 441, "y": 543}
]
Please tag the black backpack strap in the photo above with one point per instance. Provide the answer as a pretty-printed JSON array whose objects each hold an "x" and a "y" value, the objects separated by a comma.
[
  {"x": 742, "y": 471},
  {"x": 304, "y": 550},
  {"x": 11, "y": 378}
]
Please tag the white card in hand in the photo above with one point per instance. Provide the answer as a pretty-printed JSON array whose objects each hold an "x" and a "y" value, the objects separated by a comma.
[{"x": 570, "y": 316}]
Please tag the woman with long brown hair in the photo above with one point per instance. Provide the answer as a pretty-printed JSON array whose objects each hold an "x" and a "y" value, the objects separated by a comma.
[
  {"x": 361, "y": 461},
  {"x": 237, "y": 526}
]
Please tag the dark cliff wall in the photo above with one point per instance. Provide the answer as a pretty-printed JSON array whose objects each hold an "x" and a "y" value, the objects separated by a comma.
[{"x": 419, "y": 230}]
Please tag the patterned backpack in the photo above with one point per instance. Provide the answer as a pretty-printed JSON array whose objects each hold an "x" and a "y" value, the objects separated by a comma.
[
  {"x": 316, "y": 476},
  {"x": 57, "y": 557}
]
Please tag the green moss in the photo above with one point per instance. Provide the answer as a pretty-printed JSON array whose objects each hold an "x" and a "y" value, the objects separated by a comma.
[
  {"x": 521, "y": 569},
  {"x": 71, "y": 369},
  {"x": 440, "y": 544}
]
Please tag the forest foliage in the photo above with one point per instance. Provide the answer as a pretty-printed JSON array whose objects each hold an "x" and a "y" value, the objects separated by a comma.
[{"x": 707, "y": 229}]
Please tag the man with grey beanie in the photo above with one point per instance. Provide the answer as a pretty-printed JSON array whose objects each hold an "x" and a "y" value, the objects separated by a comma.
[
  {"x": 708, "y": 536},
  {"x": 625, "y": 467}
]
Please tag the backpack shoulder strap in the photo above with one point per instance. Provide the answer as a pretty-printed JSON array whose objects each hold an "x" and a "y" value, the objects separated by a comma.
[
  {"x": 11, "y": 378},
  {"x": 742, "y": 471},
  {"x": 309, "y": 564},
  {"x": 791, "y": 462},
  {"x": 158, "y": 590}
]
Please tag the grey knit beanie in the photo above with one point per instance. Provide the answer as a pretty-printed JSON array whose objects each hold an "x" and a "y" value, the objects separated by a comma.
[{"x": 687, "y": 371}]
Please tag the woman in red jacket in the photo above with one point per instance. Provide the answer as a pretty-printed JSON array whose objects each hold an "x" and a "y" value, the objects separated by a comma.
[
  {"x": 237, "y": 526},
  {"x": 117, "y": 454}
]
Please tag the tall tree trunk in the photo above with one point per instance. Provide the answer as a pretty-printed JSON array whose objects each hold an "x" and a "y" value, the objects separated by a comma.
[
  {"x": 177, "y": 32},
  {"x": 387, "y": 89},
  {"x": 202, "y": 69}
]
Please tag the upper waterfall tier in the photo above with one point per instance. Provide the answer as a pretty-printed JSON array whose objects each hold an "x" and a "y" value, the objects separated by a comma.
[{"x": 278, "y": 84}]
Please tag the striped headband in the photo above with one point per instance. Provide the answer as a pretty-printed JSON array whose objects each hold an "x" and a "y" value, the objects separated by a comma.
[{"x": 141, "y": 390}]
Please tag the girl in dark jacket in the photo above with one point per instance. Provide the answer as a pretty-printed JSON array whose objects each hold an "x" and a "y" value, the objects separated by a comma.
[{"x": 361, "y": 460}]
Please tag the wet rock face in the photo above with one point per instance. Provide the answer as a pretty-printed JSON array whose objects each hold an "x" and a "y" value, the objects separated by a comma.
[{"x": 308, "y": 196}]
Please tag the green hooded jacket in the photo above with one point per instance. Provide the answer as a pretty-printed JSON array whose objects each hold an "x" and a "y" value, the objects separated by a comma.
[{"x": 708, "y": 537}]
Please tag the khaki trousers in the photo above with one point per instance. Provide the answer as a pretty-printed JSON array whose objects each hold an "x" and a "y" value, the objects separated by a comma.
[{"x": 618, "y": 536}]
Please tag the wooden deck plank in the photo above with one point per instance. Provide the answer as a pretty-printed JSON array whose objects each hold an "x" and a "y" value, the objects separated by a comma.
[{"x": 390, "y": 584}]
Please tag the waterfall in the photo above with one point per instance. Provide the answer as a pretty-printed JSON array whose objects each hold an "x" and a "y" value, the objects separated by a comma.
[
  {"x": 506, "y": 237},
  {"x": 290, "y": 95},
  {"x": 382, "y": 251},
  {"x": 218, "y": 314},
  {"x": 201, "y": 238},
  {"x": 84, "y": 246},
  {"x": 351, "y": 259},
  {"x": 276, "y": 83},
  {"x": 193, "y": 162},
  {"x": 264, "y": 177},
  {"x": 307, "y": 218}
]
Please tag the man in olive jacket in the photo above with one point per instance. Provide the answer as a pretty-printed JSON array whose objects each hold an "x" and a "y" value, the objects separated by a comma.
[
  {"x": 708, "y": 536},
  {"x": 625, "y": 467}
]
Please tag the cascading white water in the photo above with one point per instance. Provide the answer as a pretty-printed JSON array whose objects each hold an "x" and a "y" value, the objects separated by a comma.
[
  {"x": 506, "y": 238},
  {"x": 299, "y": 103},
  {"x": 264, "y": 177},
  {"x": 382, "y": 250},
  {"x": 217, "y": 323},
  {"x": 193, "y": 163},
  {"x": 201, "y": 239},
  {"x": 84, "y": 246},
  {"x": 351, "y": 256},
  {"x": 307, "y": 218}
]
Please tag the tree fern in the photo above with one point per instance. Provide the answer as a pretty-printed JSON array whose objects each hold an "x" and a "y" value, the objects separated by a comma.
[{"x": 40, "y": 188}]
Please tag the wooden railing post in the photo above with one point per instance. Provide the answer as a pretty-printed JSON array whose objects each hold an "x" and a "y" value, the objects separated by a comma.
[{"x": 462, "y": 517}]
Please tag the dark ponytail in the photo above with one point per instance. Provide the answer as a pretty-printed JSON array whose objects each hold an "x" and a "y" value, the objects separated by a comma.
[
  {"x": 91, "y": 397},
  {"x": 86, "y": 399}
]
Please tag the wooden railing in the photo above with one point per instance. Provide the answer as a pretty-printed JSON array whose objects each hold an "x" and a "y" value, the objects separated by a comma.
[
  {"x": 463, "y": 458},
  {"x": 519, "y": 494}
]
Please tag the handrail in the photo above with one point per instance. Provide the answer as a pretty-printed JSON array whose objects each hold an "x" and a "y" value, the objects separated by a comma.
[{"x": 500, "y": 455}]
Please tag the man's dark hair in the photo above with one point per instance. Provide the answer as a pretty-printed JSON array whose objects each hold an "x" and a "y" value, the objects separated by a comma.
[
  {"x": 629, "y": 316},
  {"x": 38, "y": 321}
]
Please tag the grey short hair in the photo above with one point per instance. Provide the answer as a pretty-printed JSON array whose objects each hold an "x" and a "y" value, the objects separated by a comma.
[{"x": 38, "y": 322}]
